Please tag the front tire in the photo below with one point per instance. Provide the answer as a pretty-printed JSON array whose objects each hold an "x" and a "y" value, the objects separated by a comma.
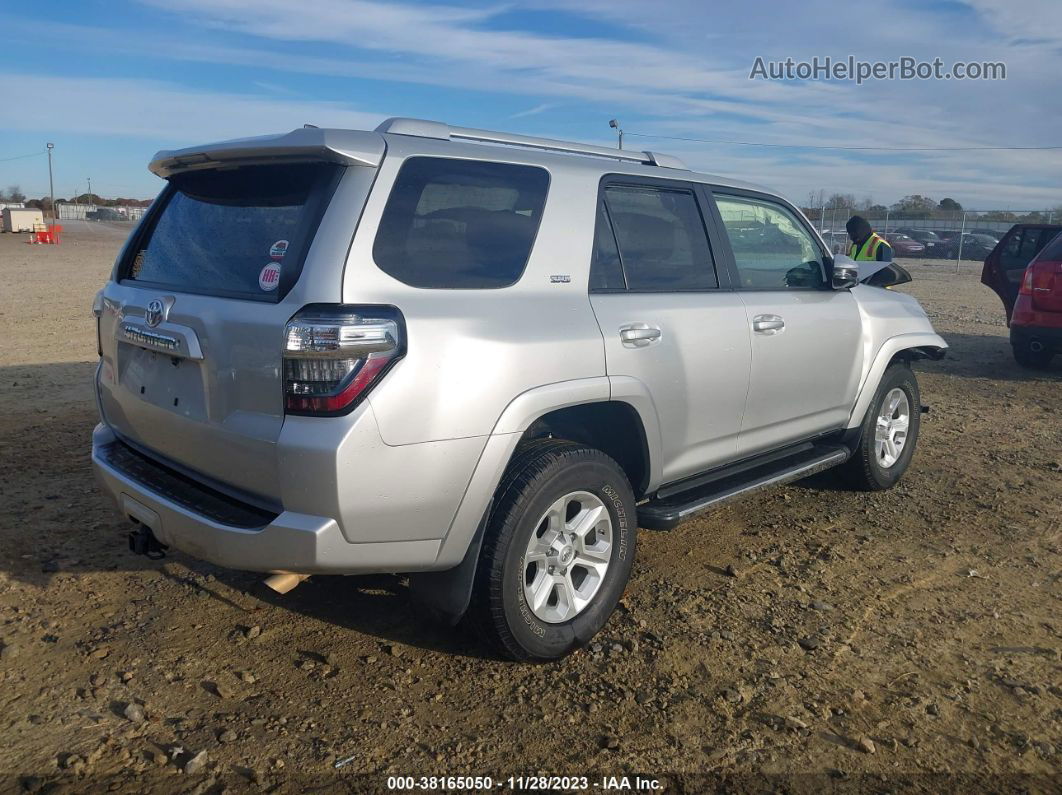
[
  {"x": 557, "y": 552},
  {"x": 889, "y": 433}
]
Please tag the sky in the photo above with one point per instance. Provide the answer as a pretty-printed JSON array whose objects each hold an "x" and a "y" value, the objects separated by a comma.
[{"x": 111, "y": 82}]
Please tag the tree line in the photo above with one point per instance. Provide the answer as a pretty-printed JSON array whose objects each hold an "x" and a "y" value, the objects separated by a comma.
[
  {"x": 14, "y": 194},
  {"x": 915, "y": 206}
]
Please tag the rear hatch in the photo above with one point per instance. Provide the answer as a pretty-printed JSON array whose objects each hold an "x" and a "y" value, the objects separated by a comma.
[
  {"x": 192, "y": 323},
  {"x": 1046, "y": 286},
  {"x": 1044, "y": 278}
]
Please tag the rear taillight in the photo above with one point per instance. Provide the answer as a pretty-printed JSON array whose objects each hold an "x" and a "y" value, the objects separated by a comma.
[
  {"x": 1027, "y": 282},
  {"x": 334, "y": 354}
]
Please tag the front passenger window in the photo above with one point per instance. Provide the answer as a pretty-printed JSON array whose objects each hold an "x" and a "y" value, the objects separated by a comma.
[{"x": 772, "y": 249}]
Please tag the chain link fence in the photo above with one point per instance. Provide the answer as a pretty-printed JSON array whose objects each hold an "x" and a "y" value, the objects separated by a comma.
[
  {"x": 71, "y": 211},
  {"x": 968, "y": 235}
]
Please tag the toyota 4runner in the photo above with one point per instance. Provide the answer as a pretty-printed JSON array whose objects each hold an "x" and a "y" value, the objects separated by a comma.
[{"x": 482, "y": 360}]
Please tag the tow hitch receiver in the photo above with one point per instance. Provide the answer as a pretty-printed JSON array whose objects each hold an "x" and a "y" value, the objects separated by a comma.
[{"x": 143, "y": 542}]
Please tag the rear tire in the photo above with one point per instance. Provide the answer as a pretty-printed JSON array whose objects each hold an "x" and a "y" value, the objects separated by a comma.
[
  {"x": 537, "y": 605},
  {"x": 886, "y": 441},
  {"x": 1030, "y": 359}
]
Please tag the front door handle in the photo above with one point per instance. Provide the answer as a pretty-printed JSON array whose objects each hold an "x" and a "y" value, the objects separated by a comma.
[
  {"x": 638, "y": 335},
  {"x": 768, "y": 324}
]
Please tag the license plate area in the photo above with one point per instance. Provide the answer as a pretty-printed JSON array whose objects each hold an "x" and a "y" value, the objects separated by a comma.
[{"x": 169, "y": 382}]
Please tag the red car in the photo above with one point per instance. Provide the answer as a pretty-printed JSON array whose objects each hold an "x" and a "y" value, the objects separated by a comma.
[
  {"x": 1025, "y": 270},
  {"x": 905, "y": 245}
]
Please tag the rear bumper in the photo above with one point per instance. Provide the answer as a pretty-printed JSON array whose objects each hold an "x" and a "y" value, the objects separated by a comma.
[
  {"x": 197, "y": 522},
  {"x": 1048, "y": 336}
]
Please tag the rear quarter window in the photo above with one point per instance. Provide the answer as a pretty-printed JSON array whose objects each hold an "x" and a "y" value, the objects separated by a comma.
[
  {"x": 460, "y": 224},
  {"x": 239, "y": 232}
]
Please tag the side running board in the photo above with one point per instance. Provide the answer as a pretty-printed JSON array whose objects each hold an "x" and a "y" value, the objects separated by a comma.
[{"x": 665, "y": 512}]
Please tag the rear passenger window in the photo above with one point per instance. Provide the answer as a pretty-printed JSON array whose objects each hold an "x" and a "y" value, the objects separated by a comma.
[
  {"x": 1023, "y": 244},
  {"x": 1036, "y": 244},
  {"x": 1010, "y": 256},
  {"x": 662, "y": 243},
  {"x": 460, "y": 223}
]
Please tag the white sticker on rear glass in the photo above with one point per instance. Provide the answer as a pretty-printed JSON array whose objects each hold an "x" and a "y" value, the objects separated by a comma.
[
  {"x": 269, "y": 277},
  {"x": 278, "y": 249}
]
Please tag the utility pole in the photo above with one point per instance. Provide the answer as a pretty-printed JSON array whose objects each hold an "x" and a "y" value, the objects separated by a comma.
[
  {"x": 615, "y": 125},
  {"x": 90, "y": 186},
  {"x": 51, "y": 184},
  {"x": 962, "y": 234}
]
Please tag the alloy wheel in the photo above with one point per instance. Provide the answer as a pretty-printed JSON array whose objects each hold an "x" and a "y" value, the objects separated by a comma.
[
  {"x": 892, "y": 426},
  {"x": 567, "y": 557}
]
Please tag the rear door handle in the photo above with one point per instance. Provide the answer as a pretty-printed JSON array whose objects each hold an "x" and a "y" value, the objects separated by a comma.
[
  {"x": 768, "y": 324},
  {"x": 638, "y": 335}
]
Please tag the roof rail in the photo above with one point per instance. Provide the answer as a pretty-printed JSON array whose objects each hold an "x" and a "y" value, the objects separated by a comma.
[{"x": 435, "y": 129}]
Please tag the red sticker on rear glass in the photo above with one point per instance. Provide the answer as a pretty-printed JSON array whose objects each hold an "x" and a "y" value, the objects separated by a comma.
[
  {"x": 278, "y": 249},
  {"x": 269, "y": 277}
]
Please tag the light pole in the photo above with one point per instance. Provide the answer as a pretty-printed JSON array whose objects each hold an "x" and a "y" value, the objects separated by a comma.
[
  {"x": 962, "y": 234},
  {"x": 90, "y": 186},
  {"x": 51, "y": 185},
  {"x": 615, "y": 125}
]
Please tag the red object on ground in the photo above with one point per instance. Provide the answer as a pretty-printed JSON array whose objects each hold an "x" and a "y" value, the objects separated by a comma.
[{"x": 46, "y": 234}]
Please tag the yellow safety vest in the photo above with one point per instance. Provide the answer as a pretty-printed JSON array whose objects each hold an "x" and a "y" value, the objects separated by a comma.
[{"x": 869, "y": 251}]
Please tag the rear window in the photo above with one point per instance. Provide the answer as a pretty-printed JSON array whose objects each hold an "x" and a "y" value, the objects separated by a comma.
[
  {"x": 461, "y": 224},
  {"x": 1052, "y": 251},
  {"x": 241, "y": 233}
]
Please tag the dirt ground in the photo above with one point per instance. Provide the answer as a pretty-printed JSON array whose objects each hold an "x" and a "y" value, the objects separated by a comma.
[{"x": 901, "y": 641}]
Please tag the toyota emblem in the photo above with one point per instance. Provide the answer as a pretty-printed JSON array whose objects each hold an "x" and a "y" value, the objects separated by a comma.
[{"x": 155, "y": 312}]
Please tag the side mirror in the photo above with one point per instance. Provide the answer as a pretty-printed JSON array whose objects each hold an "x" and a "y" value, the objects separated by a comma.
[{"x": 845, "y": 277}]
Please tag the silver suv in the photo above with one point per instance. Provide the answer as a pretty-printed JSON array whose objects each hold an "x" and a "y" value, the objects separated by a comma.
[{"x": 480, "y": 359}]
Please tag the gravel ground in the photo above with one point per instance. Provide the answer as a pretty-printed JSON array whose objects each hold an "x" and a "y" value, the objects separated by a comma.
[{"x": 900, "y": 641}]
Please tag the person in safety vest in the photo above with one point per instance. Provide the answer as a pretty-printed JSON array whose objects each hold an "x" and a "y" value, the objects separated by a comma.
[{"x": 867, "y": 245}]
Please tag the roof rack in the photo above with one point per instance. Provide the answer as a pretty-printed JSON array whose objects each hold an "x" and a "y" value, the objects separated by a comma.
[{"x": 424, "y": 128}]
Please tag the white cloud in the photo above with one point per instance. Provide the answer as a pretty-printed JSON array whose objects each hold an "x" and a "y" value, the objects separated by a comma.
[
  {"x": 159, "y": 111},
  {"x": 1027, "y": 22},
  {"x": 678, "y": 69},
  {"x": 541, "y": 108}
]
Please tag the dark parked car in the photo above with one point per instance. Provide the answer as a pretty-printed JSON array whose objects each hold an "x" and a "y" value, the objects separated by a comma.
[
  {"x": 974, "y": 244},
  {"x": 935, "y": 245},
  {"x": 977, "y": 246}
]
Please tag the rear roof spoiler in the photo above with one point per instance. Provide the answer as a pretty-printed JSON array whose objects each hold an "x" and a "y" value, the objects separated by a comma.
[{"x": 350, "y": 147}]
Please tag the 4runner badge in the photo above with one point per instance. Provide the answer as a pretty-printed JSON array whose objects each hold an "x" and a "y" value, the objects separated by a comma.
[{"x": 560, "y": 278}]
